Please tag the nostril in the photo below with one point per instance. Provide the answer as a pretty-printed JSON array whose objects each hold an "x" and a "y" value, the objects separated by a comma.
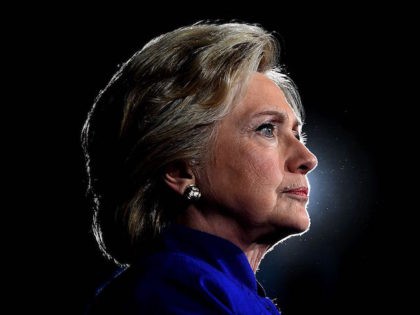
[{"x": 304, "y": 168}]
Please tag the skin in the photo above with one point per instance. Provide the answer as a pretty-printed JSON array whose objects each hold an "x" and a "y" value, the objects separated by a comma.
[{"x": 257, "y": 157}]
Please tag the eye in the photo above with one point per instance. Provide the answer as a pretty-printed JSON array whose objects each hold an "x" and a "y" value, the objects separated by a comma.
[{"x": 267, "y": 130}]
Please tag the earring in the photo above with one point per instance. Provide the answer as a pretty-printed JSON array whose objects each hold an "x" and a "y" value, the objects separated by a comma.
[{"x": 192, "y": 193}]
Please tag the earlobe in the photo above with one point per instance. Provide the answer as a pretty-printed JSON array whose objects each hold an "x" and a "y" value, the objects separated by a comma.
[{"x": 178, "y": 175}]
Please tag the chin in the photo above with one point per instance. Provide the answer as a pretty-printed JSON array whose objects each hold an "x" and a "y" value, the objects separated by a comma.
[
  {"x": 284, "y": 231},
  {"x": 296, "y": 226},
  {"x": 303, "y": 223}
]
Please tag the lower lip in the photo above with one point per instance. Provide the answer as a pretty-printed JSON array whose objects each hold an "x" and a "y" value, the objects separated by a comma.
[{"x": 299, "y": 195}]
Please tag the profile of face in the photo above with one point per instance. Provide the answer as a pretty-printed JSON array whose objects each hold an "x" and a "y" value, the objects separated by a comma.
[{"x": 257, "y": 175}]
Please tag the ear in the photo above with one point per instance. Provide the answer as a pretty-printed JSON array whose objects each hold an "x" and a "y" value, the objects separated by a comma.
[{"x": 178, "y": 175}]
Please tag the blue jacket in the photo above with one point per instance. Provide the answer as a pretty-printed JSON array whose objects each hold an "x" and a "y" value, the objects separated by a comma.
[{"x": 193, "y": 273}]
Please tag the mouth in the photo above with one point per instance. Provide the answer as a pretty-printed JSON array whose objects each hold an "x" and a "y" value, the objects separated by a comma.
[{"x": 300, "y": 193}]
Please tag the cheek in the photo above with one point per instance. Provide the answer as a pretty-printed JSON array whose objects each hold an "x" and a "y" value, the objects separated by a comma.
[
  {"x": 254, "y": 180},
  {"x": 266, "y": 168},
  {"x": 256, "y": 192},
  {"x": 245, "y": 177}
]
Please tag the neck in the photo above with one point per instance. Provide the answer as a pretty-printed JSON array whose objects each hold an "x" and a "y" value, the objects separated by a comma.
[{"x": 228, "y": 229}]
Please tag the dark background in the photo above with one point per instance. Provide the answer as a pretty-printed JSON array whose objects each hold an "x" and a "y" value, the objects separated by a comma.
[{"x": 346, "y": 63}]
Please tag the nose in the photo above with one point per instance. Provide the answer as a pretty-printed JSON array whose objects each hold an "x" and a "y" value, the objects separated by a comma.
[{"x": 301, "y": 160}]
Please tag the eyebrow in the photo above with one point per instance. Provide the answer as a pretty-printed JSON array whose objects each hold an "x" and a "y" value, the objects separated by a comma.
[{"x": 281, "y": 116}]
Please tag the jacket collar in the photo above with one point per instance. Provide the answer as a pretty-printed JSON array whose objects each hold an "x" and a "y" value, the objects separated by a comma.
[{"x": 216, "y": 251}]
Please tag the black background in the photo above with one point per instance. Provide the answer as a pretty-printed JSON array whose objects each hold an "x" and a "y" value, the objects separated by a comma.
[{"x": 346, "y": 63}]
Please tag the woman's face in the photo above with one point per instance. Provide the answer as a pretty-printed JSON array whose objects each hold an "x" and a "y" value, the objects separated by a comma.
[{"x": 257, "y": 175}]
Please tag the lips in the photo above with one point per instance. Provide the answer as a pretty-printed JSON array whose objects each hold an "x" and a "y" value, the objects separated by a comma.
[{"x": 299, "y": 191}]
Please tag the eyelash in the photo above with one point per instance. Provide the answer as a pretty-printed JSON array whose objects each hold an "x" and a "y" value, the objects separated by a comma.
[{"x": 302, "y": 137}]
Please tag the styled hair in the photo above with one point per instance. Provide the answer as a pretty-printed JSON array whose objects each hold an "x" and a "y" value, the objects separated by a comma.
[{"x": 162, "y": 107}]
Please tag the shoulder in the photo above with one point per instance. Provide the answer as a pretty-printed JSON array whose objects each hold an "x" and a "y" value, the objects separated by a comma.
[{"x": 170, "y": 283}]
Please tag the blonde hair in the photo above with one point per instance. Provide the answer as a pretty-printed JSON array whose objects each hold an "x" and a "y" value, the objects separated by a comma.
[{"x": 162, "y": 107}]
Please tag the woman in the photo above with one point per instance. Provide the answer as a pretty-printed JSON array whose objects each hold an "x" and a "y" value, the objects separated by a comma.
[{"x": 197, "y": 169}]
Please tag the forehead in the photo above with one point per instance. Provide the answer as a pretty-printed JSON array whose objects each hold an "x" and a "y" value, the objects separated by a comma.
[{"x": 261, "y": 95}]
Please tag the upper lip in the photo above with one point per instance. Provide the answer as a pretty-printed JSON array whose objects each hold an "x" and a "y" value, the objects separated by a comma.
[{"x": 302, "y": 190}]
